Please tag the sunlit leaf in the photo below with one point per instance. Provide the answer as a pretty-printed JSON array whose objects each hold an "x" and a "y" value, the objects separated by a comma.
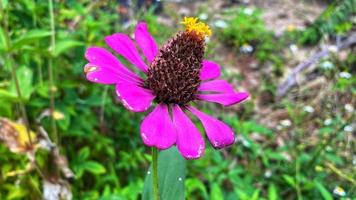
[
  {"x": 6, "y": 95},
  {"x": 216, "y": 193},
  {"x": 16, "y": 192},
  {"x": 4, "y": 4},
  {"x": 272, "y": 192},
  {"x": 94, "y": 167},
  {"x": 242, "y": 195},
  {"x": 255, "y": 195},
  {"x": 289, "y": 180}
]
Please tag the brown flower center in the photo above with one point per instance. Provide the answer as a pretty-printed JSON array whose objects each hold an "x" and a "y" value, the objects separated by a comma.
[{"x": 174, "y": 74}]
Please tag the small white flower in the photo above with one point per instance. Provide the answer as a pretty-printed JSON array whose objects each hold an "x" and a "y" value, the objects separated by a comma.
[
  {"x": 333, "y": 48},
  {"x": 354, "y": 161},
  {"x": 286, "y": 123},
  {"x": 203, "y": 16},
  {"x": 279, "y": 127},
  {"x": 339, "y": 191},
  {"x": 245, "y": 142},
  {"x": 293, "y": 48},
  {"x": 327, "y": 65},
  {"x": 207, "y": 39},
  {"x": 308, "y": 109},
  {"x": 329, "y": 149},
  {"x": 327, "y": 122},
  {"x": 248, "y": 11},
  {"x": 220, "y": 23},
  {"x": 346, "y": 75},
  {"x": 349, "y": 108},
  {"x": 268, "y": 173},
  {"x": 246, "y": 48},
  {"x": 348, "y": 128}
]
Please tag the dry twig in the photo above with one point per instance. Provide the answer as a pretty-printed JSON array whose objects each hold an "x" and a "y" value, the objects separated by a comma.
[{"x": 291, "y": 80}]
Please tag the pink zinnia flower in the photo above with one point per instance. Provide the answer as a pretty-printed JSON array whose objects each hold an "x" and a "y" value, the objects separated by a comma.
[{"x": 175, "y": 76}]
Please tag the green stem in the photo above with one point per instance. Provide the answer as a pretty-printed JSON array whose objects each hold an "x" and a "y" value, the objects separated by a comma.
[
  {"x": 9, "y": 60},
  {"x": 14, "y": 76},
  {"x": 297, "y": 178},
  {"x": 51, "y": 13},
  {"x": 340, "y": 173},
  {"x": 102, "y": 109},
  {"x": 37, "y": 61},
  {"x": 19, "y": 95},
  {"x": 155, "y": 173},
  {"x": 55, "y": 136}
]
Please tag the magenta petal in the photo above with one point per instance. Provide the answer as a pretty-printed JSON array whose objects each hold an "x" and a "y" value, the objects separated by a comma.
[
  {"x": 217, "y": 86},
  {"x": 100, "y": 75},
  {"x": 219, "y": 134},
  {"x": 209, "y": 70},
  {"x": 190, "y": 143},
  {"x": 134, "y": 97},
  {"x": 226, "y": 99},
  {"x": 124, "y": 46},
  {"x": 103, "y": 67},
  {"x": 145, "y": 41},
  {"x": 157, "y": 128}
]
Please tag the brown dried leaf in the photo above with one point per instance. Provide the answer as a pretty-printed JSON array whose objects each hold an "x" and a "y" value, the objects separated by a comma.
[{"x": 14, "y": 136}]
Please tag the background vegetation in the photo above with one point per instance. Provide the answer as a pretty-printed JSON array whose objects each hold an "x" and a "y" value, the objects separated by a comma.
[{"x": 299, "y": 145}]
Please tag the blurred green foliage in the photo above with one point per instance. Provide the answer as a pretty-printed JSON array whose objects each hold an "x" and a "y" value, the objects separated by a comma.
[
  {"x": 245, "y": 28},
  {"x": 335, "y": 20},
  {"x": 101, "y": 139}
]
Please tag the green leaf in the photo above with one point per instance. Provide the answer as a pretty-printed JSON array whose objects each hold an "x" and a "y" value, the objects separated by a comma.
[
  {"x": 272, "y": 192},
  {"x": 24, "y": 77},
  {"x": 216, "y": 193},
  {"x": 3, "y": 43},
  {"x": 289, "y": 180},
  {"x": 171, "y": 176},
  {"x": 242, "y": 195},
  {"x": 6, "y": 95},
  {"x": 323, "y": 191},
  {"x": 30, "y": 5},
  {"x": 5, "y": 110},
  {"x": 255, "y": 195},
  {"x": 42, "y": 90},
  {"x": 94, "y": 167},
  {"x": 30, "y": 37},
  {"x": 16, "y": 192},
  {"x": 84, "y": 154},
  {"x": 4, "y": 4},
  {"x": 196, "y": 185},
  {"x": 65, "y": 45}
]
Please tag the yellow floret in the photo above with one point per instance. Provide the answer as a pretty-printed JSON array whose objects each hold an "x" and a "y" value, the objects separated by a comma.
[{"x": 192, "y": 24}]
